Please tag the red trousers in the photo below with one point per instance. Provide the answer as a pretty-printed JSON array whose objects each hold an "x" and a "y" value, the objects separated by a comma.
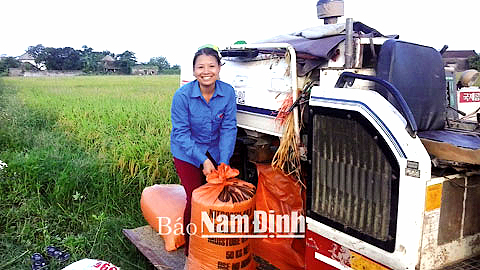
[{"x": 191, "y": 178}]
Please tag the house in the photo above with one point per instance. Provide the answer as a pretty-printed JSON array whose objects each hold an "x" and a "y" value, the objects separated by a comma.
[
  {"x": 28, "y": 60},
  {"x": 458, "y": 59},
  {"x": 144, "y": 70},
  {"x": 109, "y": 65}
]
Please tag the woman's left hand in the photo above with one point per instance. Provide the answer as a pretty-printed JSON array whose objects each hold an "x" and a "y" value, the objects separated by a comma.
[{"x": 208, "y": 167}]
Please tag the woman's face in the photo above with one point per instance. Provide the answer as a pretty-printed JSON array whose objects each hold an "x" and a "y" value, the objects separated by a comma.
[{"x": 206, "y": 70}]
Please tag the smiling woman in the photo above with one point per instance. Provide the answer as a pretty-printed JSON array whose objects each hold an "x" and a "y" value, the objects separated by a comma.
[
  {"x": 204, "y": 131},
  {"x": 206, "y": 69}
]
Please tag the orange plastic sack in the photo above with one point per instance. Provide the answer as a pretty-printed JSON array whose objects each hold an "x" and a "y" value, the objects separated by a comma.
[
  {"x": 215, "y": 203},
  {"x": 283, "y": 195},
  {"x": 164, "y": 204}
]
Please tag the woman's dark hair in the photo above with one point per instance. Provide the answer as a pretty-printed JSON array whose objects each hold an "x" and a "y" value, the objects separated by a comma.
[{"x": 207, "y": 51}]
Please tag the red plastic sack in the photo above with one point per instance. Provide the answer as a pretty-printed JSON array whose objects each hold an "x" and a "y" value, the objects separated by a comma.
[
  {"x": 283, "y": 195},
  {"x": 217, "y": 201},
  {"x": 165, "y": 204}
]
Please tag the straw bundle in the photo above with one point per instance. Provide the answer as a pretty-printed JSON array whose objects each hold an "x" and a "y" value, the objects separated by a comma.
[{"x": 287, "y": 157}]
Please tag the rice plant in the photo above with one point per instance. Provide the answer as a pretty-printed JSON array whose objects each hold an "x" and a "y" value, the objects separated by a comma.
[{"x": 76, "y": 154}]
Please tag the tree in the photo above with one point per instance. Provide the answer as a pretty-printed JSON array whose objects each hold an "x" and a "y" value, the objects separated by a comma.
[
  {"x": 36, "y": 52},
  {"x": 175, "y": 68},
  {"x": 91, "y": 60},
  {"x": 60, "y": 58},
  {"x": 8, "y": 62},
  {"x": 88, "y": 60},
  {"x": 107, "y": 52},
  {"x": 161, "y": 62},
  {"x": 474, "y": 62},
  {"x": 126, "y": 61},
  {"x": 71, "y": 59}
]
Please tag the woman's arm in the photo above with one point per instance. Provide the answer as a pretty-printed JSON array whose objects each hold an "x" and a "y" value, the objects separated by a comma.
[
  {"x": 181, "y": 129},
  {"x": 228, "y": 129}
]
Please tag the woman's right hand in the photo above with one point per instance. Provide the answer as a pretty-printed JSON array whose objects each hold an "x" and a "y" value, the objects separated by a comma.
[{"x": 208, "y": 167}]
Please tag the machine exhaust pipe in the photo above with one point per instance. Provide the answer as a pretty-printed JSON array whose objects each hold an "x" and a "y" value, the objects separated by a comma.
[
  {"x": 330, "y": 10},
  {"x": 349, "y": 43}
]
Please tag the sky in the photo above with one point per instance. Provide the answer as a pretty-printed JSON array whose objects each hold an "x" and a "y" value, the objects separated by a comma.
[{"x": 176, "y": 28}]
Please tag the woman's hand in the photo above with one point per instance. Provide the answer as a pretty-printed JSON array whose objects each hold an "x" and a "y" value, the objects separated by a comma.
[{"x": 208, "y": 167}]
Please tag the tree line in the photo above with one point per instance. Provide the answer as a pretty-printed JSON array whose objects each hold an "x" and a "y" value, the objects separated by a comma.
[
  {"x": 86, "y": 60},
  {"x": 474, "y": 62}
]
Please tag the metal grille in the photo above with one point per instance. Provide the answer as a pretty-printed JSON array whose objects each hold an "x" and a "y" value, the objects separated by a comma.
[
  {"x": 352, "y": 177},
  {"x": 470, "y": 264}
]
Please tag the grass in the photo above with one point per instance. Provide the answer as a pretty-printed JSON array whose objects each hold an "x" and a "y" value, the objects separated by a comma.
[{"x": 79, "y": 151}]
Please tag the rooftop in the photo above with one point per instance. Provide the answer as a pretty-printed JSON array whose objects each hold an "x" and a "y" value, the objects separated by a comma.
[
  {"x": 26, "y": 56},
  {"x": 108, "y": 58},
  {"x": 459, "y": 54}
]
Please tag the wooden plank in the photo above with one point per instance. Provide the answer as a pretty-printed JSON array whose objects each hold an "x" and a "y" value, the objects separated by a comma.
[
  {"x": 151, "y": 245},
  {"x": 450, "y": 152}
]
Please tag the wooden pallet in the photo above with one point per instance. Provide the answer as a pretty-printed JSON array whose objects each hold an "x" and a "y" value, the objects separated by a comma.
[{"x": 152, "y": 246}]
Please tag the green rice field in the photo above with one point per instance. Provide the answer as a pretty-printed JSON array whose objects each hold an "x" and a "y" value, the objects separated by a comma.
[{"x": 79, "y": 152}]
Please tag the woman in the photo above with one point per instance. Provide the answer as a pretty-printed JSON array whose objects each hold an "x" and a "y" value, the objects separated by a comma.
[{"x": 204, "y": 126}]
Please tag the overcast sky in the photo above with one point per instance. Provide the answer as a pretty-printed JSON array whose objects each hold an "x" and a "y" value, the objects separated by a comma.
[{"x": 175, "y": 28}]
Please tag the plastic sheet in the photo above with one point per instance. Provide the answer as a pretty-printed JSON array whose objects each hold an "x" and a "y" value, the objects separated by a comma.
[
  {"x": 92, "y": 264},
  {"x": 283, "y": 195}
]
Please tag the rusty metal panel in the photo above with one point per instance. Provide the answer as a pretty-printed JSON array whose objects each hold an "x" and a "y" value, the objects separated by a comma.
[
  {"x": 451, "y": 211},
  {"x": 352, "y": 177},
  {"x": 151, "y": 245},
  {"x": 472, "y": 210}
]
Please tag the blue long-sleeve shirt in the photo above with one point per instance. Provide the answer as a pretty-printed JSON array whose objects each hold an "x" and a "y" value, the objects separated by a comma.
[{"x": 198, "y": 126}]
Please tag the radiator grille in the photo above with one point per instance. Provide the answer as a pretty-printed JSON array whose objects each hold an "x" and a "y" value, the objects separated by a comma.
[{"x": 354, "y": 180}]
